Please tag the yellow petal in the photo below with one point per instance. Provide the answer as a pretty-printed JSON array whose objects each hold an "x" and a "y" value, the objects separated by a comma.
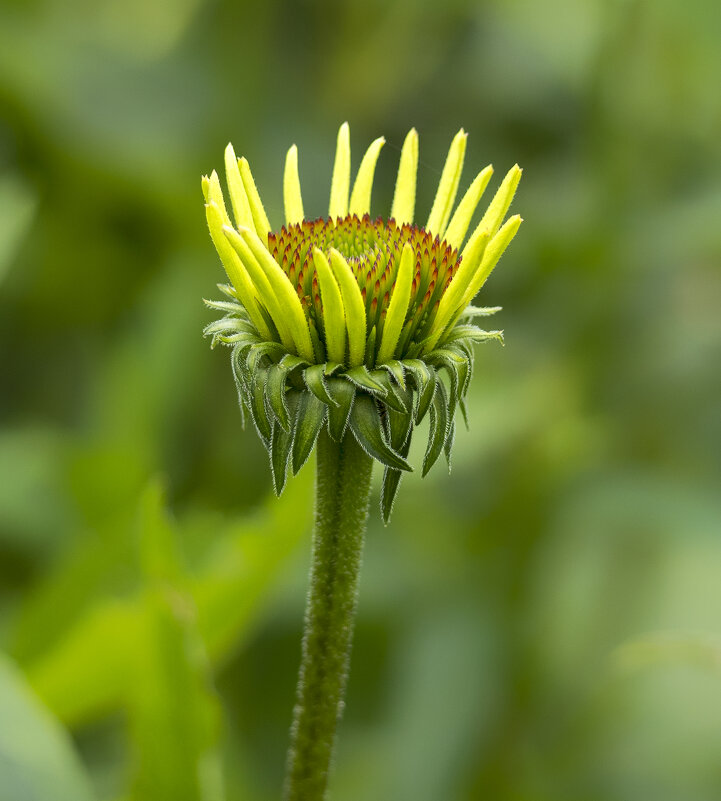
[
  {"x": 286, "y": 294},
  {"x": 404, "y": 198},
  {"x": 262, "y": 285},
  {"x": 453, "y": 297},
  {"x": 260, "y": 219},
  {"x": 333, "y": 314},
  {"x": 234, "y": 268},
  {"x": 340, "y": 184},
  {"x": 398, "y": 306},
  {"x": 492, "y": 254},
  {"x": 214, "y": 194},
  {"x": 360, "y": 199},
  {"x": 236, "y": 190},
  {"x": 458, "y": 226},
  {"x": 501, "y": 202},
  {"x": 355, "y": 310},
  {"x": 448, "y": 185},
  {"x": 291, "y": 189}
]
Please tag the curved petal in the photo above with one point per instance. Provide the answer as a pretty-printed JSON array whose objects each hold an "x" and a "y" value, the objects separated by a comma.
[
  {"x": 360, "y": 199},
  {"x": 448, "y": 185},
  {"x": 260, "y": 219},
  {"x": 292, "y": 199},
  {"x": 404, "y": 198},
  {"x": 340, "y": 183},
  {"x": 333, "y": 313},
  {"x": 285, "y": 293},
  {"x": 236, "y": 190},
  {"x": 398, "y": 306},
  {"x": 355, "y": 310},
  {"x": 458, "y": 226}
]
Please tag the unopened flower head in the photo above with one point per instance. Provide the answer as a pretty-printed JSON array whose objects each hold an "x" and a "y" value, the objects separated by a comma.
[{"x": 351, "y": 322}]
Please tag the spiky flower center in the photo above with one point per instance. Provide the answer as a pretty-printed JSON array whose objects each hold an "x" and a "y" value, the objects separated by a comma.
[{"x": 372, "y": 249}]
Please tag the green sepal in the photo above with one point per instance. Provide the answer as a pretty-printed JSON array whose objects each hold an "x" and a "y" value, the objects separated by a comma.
[
  {"x": 426, "y": 395},
  {"x": 365, "y": 423},
  {"x": 292, "y": 364},
  {"x": 229, "y": 291},
  {"x": 370, "y": 355},
  {"x": 399, "y": 426},
  {"x": 438, "y": 428},
  {"x": 276, "y": 394},
  {"x": 464, "y": 412},
  {"x": 343, "y": 394},
  {"x": 391, "y": 396},
  {"x": 273, "y": 349},
  {"x": 240, "y": 369},
  {"x": 471, "y": 333},
  {"x": 479, "y": 311},
  {"x": 448, "y": 446},
  {"x": 290, "y": 361},
  {"x": 226, "y": 324},
  {"x": 391, "y": 483},
  {"x": 242, "y": 378},
  {"x": 313, "y": 377},
  {"x": 456, "y": 365},
  {"x": 362, "y": 378},
  {"x": 395, "y": 368},
  {"x": 281, "y": 442},
  {"x": 464, "y": 349},
  {"x": 231, "y": 337},
  {"x": 257, "y": 407},
  {"x": 318, "y": 349},
  {"x": 419, "y": 372},
  {"x": 309, "y": 421},
  {"x": 228, "y": 306}
]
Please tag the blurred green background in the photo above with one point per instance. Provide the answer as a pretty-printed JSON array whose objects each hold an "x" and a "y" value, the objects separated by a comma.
[{"x": 542, "y": 625}]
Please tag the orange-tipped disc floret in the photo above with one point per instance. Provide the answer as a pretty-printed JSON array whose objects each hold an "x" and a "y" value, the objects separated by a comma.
[{"x": 372, "y": 249}]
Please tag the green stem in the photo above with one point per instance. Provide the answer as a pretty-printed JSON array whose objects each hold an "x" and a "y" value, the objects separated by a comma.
[{"x": 342, "y": 493}]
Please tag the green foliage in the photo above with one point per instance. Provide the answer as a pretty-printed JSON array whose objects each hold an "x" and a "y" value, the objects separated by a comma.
[{"x": 37, "y": 759}]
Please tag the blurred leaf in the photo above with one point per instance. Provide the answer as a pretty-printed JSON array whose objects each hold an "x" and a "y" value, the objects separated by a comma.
[
  {"x": 31, "y": 461},
  {"x": 37, "y": 760},
  {"x": 681, "y": 648},
  {"x": 174, "y": 714},
  {"x": 17, "y": 207},
  {"x": 232, "y": 592}
]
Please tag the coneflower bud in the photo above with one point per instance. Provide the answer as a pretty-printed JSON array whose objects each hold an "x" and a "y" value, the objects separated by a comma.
[{"x": 379, "y": 305}]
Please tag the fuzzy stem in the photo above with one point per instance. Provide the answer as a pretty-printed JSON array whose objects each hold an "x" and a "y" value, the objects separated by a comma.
[{"x": 342, "y": 493}]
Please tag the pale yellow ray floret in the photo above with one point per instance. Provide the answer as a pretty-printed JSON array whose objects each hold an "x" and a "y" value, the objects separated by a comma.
[
  {"x": 493, "y": 252},
  {"x": 260, "y": 218},
  {"x": 236, "y": 190},
  {"x": 453, "y": 296},
  {"x": 458, "y": 226},
  {"x": 480, "y": 256},
  {"x": 498, "y": 207},
  {"x": 448, "y": 185},
  {"x": 340, "y": 183},
  {"x": 360, "y": 199},
  {"x": 355, "y": 310},
  {"x": 234, "y": 268},
  {"x": 398, "y": 305},
  {"x": 285, "y": 294},
  {"x": 404, "y": 198},
  {"x": 260, "y": 279},
  {"x": 333, "y": 314},
  {"x": 292, "y": 199}
]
